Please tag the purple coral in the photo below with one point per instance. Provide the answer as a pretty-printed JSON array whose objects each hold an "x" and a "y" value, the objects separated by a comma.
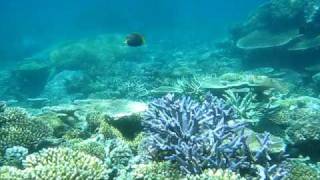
[
  {"x": 261, "y": 160},
  {"x": 198, "y": 136}
]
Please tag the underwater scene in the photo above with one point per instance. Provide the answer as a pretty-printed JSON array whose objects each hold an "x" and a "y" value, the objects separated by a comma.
[{"x": 160, "y": 90}]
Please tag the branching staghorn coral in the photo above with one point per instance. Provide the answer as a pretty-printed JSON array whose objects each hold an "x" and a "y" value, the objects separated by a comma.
[
  {"x": 189, "y": 86},
  {"x": 200, "y": 136},
  {"x": 261, "y": 160},
  {"x": 182, "y": 127},
  {"x": 244, "y": 106}
]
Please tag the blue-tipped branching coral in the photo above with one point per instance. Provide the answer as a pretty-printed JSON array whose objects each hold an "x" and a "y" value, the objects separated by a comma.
[{"x": 199, "y": 136}]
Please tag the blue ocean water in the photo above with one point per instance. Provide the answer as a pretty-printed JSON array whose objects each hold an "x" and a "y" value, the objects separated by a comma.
[
  {"x": 30, "y": 26},
  {"x": 160, "y": 89}
]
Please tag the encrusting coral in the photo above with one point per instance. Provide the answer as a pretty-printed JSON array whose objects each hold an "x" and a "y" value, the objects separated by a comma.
[
  {"x": 156, "y": 170},
  {"x": 219, "y": 174},
  {"x": 297, "y": 118},
  {"x": 300, "y": 169},
  {"x": 118, "y": 155},
  {"x": 167, "y": 170},
  {"x": 14, "y": 155},
  {"x": 90, "y": 147}
]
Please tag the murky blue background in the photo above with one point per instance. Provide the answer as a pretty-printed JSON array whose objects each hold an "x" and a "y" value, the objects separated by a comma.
[{"x": 32, "y": 25}]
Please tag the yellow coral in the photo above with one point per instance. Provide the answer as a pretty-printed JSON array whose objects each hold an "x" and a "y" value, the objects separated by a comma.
[
  {"x": 109, "y": 131},
  {"x": 17, "y": 129},
  {"x": 156, "y": 170},
  {"x": 64, "y": 164},
  {"x": 90, "y": 147},
  {"x": 219, "y": 174},
  {"x": 15, "y": 114},
  {"x": 299, "y": 170},
  {"x": 134, "y": 144}
]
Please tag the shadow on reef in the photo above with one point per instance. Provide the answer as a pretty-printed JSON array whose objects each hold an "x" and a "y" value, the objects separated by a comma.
[
  {"x": 279, "y": 58},
  {"x": 29, "y": 79},
  {"x": 310, "y": 149}
]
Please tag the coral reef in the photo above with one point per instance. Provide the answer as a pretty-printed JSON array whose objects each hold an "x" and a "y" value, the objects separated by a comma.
[
  {"x": 298, "y": 117},
  {"x": 166, "y": 170},
  {"x": 58, "y": 163},
  {"x": 201, "y": 136},
  {"x": 241, "y": 81},
  {"x": 24, "y": 78},
  {"x": 109, "y": 131},
  {"x": 13, "y": 156},
  {"x": 279, "y": 33},
  {"x": 73, "y": 56},
  {"x": 177, "y": 126},
  {"x": 58, "y": 87},
  {"x": 120, "y": 117},
  {"x": 246, "y": 109},
  {"x": 278, "y": 15},
  {"x": 264, "y": 39},
  {"x": 306, "y": 43},
  {"x": 216, "y": 175},
  {"x": 18, "y": 129},
  {"x": 90, "y": 147},
  {"x": 156, "y": 170},
  {"x": 118, "y": 155},
  {"x": 298, "y": 169},
  {"x": 2, "y": 106},
  {"x": 13, "y": 115},
  {"x": 55, "y": 121},
  {"x": 276, "y": 147},
  {"x": 63, "y": 163},
  {"x": 312, "y": 11},
  {"x": 235, "y": 109},
  {"x": 84, "y": 53}
]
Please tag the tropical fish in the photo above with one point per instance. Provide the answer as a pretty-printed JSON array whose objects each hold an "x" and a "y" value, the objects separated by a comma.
[{"x": 134, "y": 40}]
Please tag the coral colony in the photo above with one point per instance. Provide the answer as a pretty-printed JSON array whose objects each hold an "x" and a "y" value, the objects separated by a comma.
[
  {"x": 198, "y": 136},
  {"x": 98, "y": 108}
]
